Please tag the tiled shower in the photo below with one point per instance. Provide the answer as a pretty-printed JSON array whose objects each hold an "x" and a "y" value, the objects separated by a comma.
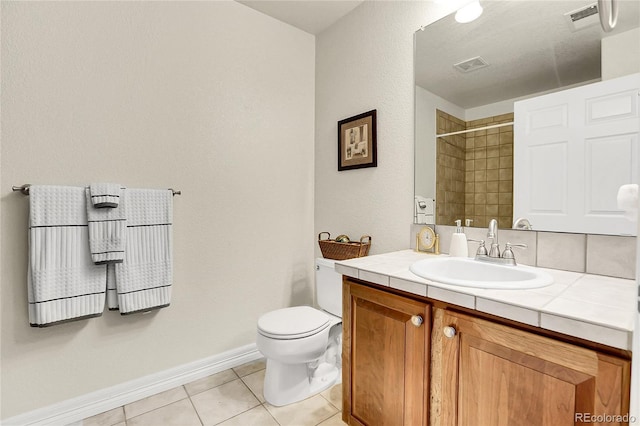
[{"x": 474, "y": 171}]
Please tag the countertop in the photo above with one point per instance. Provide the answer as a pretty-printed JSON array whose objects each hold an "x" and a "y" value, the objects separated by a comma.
[{"x": 592, "y": 307}]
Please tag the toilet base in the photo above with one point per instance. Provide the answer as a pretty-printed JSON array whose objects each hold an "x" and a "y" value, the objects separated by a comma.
[{"x": 288, "y": 383}]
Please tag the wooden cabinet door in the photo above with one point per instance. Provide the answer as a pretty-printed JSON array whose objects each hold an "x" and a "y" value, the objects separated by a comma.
[
  {"x": 385, "y": 358},
  {"x": 497, "y": 375}
]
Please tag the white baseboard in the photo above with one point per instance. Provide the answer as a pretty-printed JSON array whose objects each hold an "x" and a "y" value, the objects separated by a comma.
[{"x": 76, "y": 409}]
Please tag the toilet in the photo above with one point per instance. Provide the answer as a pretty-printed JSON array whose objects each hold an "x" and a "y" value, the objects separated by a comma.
[{"x": 303, "y": 345}]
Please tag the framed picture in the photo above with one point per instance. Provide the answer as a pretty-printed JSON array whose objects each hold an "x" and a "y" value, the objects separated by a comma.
[{"x": 357, "y": 142}]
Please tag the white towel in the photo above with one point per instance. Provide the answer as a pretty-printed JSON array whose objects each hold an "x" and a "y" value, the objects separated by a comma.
[
  {"x": 107, "y": 231},
  {"x": 112, "y": 290},
  {"x": 105, "y": 195},
  {"x": 63, "y": 283},
  {"x": 628, "y": 201},
  {"x": 145, "y": 277}
]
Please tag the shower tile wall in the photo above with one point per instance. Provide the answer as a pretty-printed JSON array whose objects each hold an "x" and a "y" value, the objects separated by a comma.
[
  {"x": 450, "y": 170},
  {"x": 487, "y": 169}
]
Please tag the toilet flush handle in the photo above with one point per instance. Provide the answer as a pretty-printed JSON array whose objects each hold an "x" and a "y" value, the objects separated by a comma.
[{"x": 417, "y": 320}]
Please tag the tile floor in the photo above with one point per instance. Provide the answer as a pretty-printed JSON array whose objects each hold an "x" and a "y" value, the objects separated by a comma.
[{"x": 231, "y": 398}]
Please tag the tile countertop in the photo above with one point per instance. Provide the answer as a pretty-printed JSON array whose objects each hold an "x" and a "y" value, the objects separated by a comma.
[{"x": 592, "y": 307}]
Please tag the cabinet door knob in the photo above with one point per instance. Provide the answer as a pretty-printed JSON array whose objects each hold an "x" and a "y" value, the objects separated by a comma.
[
  {"x": 417, "y": 320},
  {"x": 450, "y": 332}
]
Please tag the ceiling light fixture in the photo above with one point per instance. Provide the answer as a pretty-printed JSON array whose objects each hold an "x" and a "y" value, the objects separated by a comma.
[{"x": 469, "y": 12}]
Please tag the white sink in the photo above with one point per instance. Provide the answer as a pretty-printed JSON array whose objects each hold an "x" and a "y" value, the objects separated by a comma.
[{"x": 473, "y": 273}]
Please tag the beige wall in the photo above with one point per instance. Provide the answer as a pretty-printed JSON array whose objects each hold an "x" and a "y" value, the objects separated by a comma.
[
  {"x": 211, "y": 98},
  {"x": 621, "y": 54},
  {"x": 425, "y": 131},
  {"x": 365, "y": 62}
]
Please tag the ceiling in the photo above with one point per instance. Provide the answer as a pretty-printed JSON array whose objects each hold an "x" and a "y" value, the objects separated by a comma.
[
  {"x": 529, "y": 46},
  {"x": 312, "y": 16}
]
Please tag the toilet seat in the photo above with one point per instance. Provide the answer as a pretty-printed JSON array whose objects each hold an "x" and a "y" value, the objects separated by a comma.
[{"x": 293, "y": 323}]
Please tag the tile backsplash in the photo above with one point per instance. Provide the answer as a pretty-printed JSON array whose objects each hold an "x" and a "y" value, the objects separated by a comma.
[
  {"x": 609, "y": 255},
  {"x": 562, "y": 251}
]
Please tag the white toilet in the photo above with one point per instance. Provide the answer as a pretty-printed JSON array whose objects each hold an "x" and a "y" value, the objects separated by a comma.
[{"x": 303, "y": 345}]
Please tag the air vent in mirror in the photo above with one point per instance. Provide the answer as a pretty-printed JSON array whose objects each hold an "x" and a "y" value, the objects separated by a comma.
[
  {"x": 471, "y": 64},
  {"x": 583, "y": 17}
]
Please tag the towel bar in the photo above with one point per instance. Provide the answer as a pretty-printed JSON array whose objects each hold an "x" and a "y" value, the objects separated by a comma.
[{"x": 25, "y": 189}]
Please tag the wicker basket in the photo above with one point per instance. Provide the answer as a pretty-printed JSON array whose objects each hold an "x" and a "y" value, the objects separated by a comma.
[{"x": 341, "y": 251}]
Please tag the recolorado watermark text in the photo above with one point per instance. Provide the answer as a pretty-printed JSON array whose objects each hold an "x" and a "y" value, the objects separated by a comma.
[{"x": 604, "y": 418}]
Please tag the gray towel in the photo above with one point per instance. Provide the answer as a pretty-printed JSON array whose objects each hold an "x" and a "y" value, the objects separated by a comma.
[
  {"x": 104, "y": 195},
  {"x": 107, "y": 231},
  {"x": 63, "y": 282},
  {"x": 144, "y": 279}
]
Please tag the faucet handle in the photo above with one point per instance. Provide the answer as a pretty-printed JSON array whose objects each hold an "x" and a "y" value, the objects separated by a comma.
[
  {"x": 509, "y": 245},
  {"x": 482, "y": 250},
  {"x": 495, "y": 250},
  {"x": 508, "y": 253}
]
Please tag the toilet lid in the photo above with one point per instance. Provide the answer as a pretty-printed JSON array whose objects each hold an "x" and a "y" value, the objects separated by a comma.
[{"x": 293, "y": 323}]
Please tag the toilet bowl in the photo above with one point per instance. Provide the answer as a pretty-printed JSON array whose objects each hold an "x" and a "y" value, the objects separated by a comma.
[{"x": 302, "y": 344}]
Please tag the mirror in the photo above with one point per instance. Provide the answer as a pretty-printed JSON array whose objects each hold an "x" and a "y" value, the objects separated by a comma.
[{"x": 513, "y": 51}]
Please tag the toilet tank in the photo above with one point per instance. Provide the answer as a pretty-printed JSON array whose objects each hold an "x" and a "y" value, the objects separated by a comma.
[{"x": 328, "y": 287}]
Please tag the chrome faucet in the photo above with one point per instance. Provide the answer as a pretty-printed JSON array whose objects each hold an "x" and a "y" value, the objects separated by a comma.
[
  {"x": 507, "y": 254},
  {"x": 522, "y": 223},
  {"x": 492, "y": 234},
  {"x": 494, "y": 256}
]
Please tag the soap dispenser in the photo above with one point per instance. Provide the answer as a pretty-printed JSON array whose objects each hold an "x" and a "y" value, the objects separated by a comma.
[{"x": 459, "y": 247}]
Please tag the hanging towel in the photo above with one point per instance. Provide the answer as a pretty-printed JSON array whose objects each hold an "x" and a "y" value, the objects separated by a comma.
[
  {"x": 628, "y": 201},
  {"x": 107, "y": 231},
  {"x": 63, "y": 283},
  {"x": 112, "y": 291},
  {"x": 144, "y": 279},
  {"x": 105, "y": 195}
]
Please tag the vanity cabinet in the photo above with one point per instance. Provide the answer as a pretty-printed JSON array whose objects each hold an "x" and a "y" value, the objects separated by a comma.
[
  {"x": 385, "y": 357},
  {"x": 491, "y": 374},
  {"x": 458, "y": 368}
]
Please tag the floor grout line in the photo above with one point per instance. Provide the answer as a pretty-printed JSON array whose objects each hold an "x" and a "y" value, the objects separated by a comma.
[
  {"x": 194, "y": 409},
  {"x": 261, "y": 404}
]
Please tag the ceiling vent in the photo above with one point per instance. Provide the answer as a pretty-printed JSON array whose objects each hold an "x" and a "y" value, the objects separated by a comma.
[
  {"x": 472, "y": 64},
  {"x": 584, "y": 17}
]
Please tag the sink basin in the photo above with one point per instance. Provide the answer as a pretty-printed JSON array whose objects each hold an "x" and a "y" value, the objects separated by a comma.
[{"x": 472, "y": 273}]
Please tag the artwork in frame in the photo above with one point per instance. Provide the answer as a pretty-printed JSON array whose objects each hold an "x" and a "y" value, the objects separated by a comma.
[{"x": 357, "y": 142}]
